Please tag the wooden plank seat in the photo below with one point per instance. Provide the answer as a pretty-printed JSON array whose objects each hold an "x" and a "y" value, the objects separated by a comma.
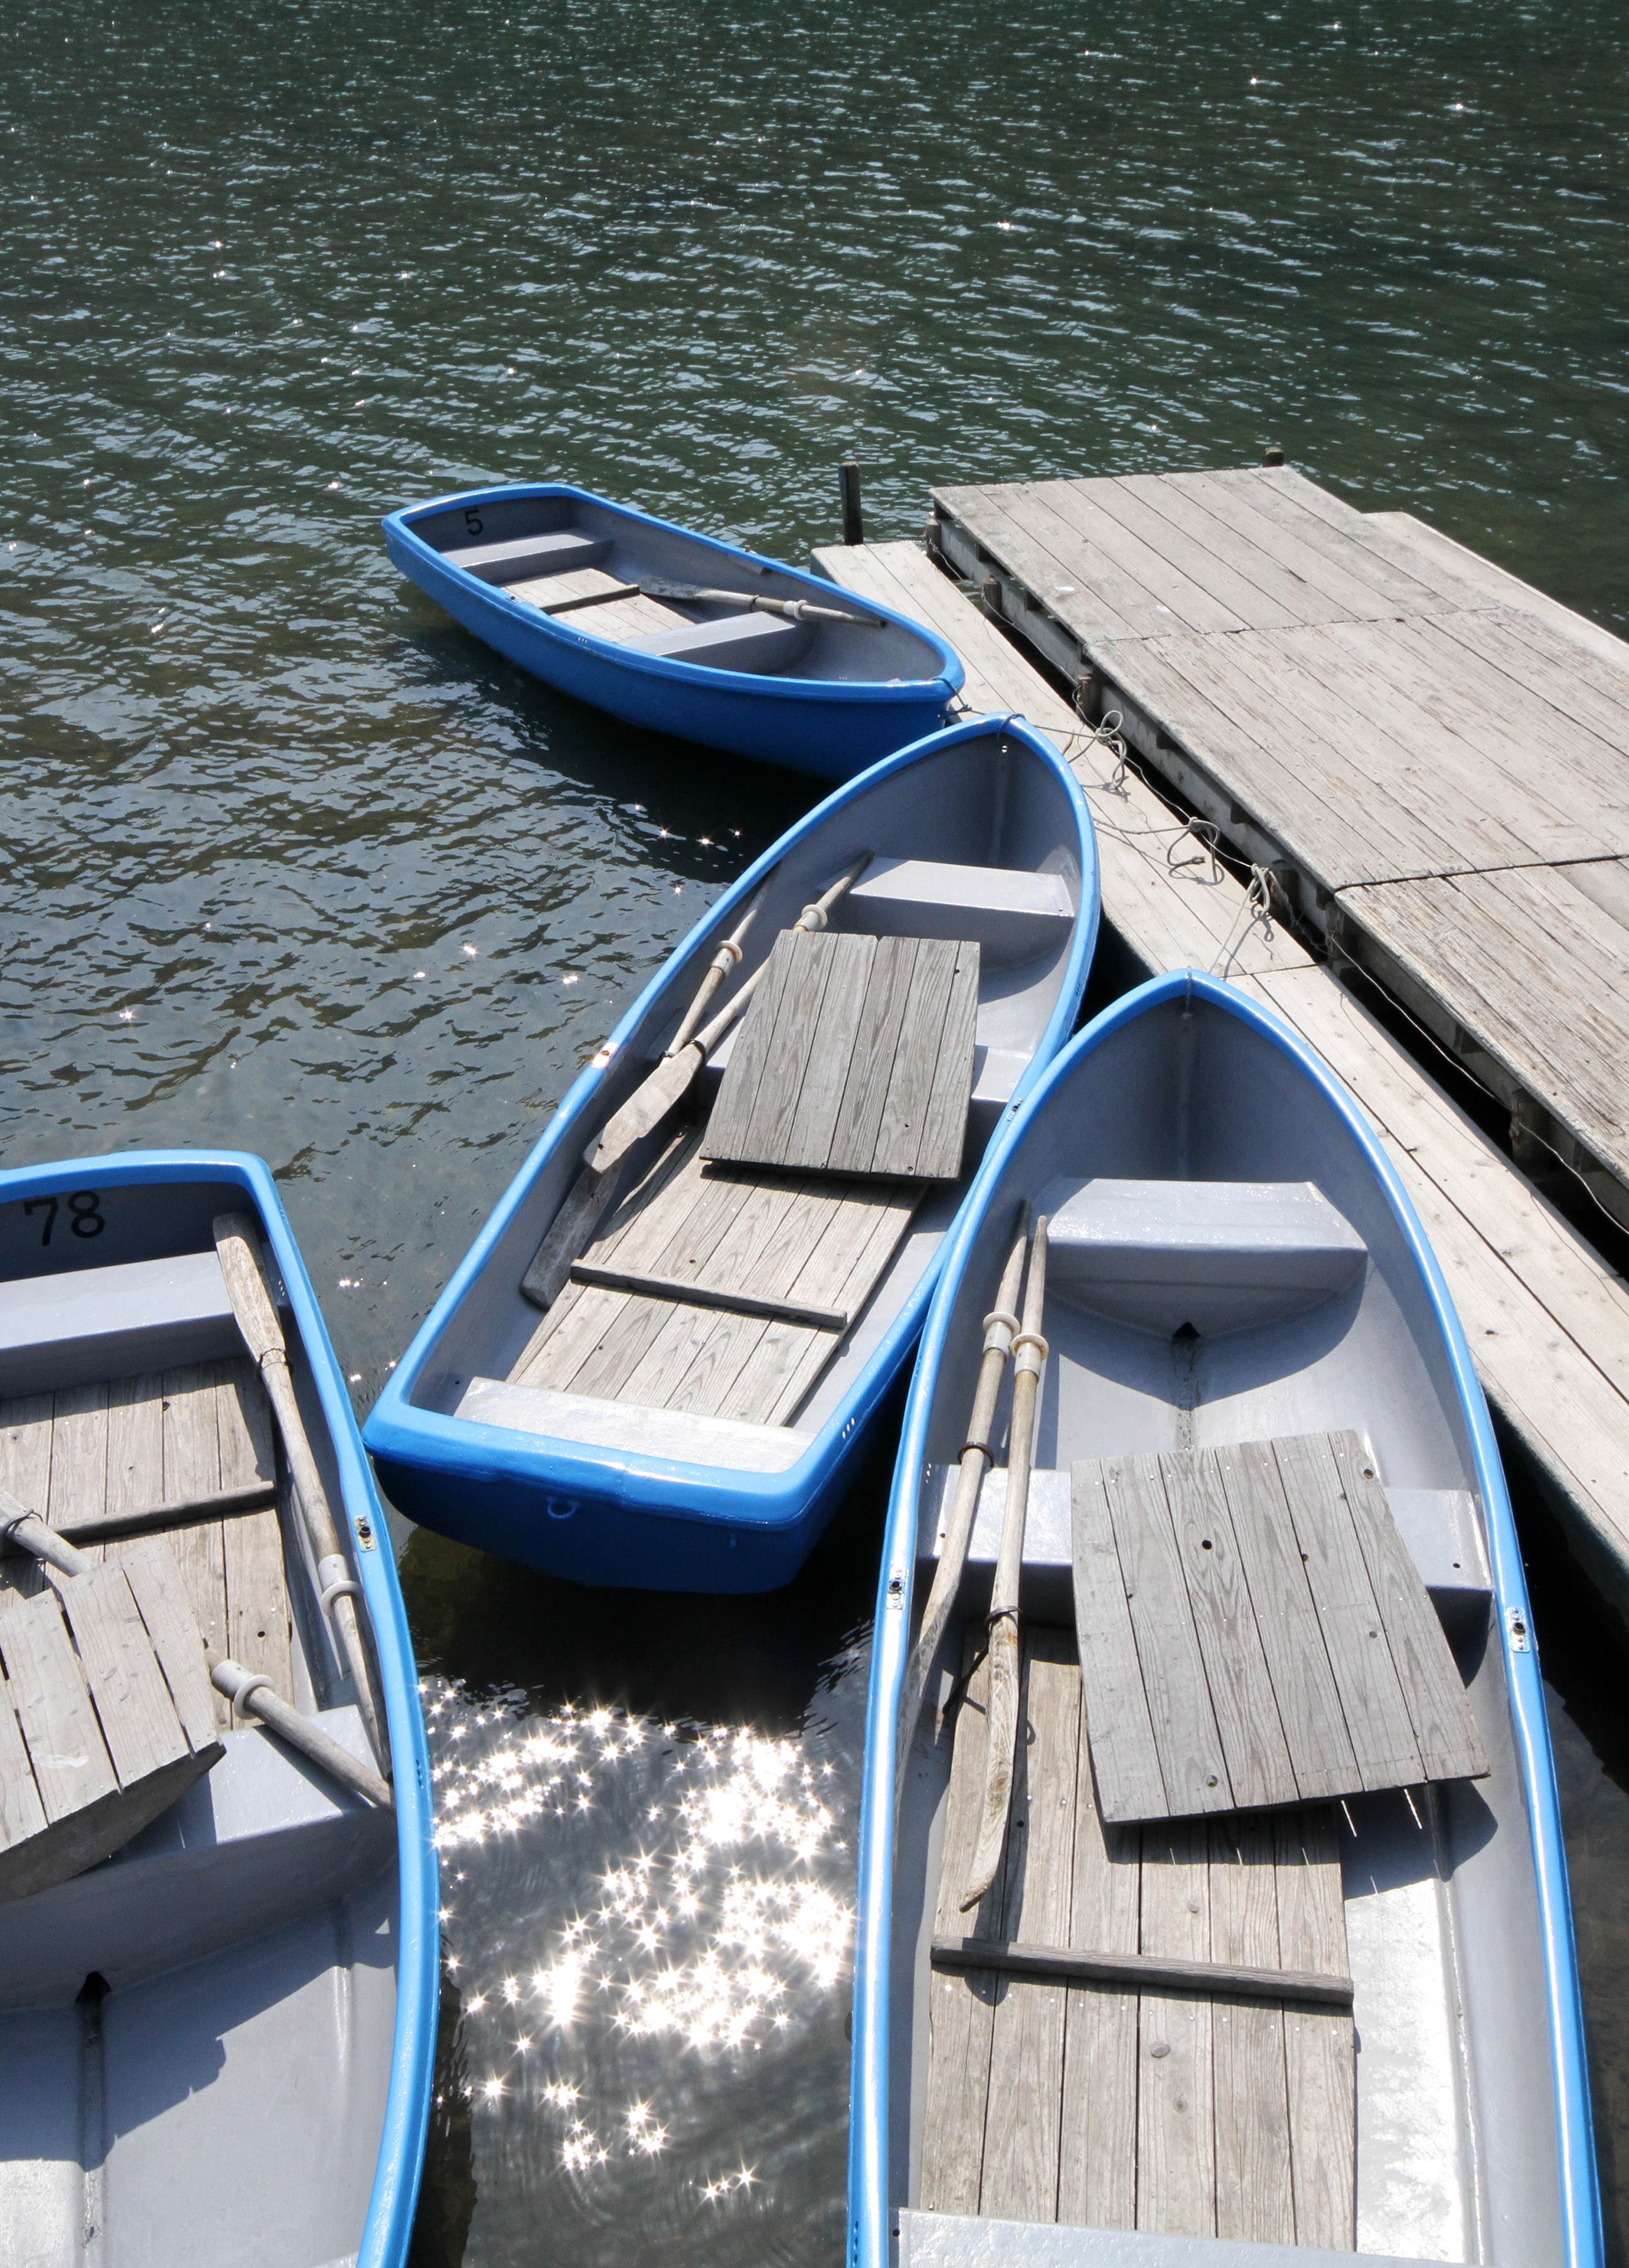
[
  {"x": 106, "y": 1715},
  {"x": 1160, "y": 2038},
  {"x": 109, "y": 1322},
  {"x": 1254, "y": 1632},
  {"x": 746, "y": 1241},
  {"x": 1011, "y": 913},
  {"x": 855, "y": 1057},
  {"x": 557, "y": 552}
]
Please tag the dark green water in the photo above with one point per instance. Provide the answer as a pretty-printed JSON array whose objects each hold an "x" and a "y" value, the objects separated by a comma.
[{"x": 290, "y": 863}]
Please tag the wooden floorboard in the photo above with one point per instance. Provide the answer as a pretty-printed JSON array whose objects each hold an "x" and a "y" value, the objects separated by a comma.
[{"x": 1186, "y": 2111}]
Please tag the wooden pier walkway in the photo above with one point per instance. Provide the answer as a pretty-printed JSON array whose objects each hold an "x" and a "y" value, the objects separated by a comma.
[{"x": 1548, "y": 1321}]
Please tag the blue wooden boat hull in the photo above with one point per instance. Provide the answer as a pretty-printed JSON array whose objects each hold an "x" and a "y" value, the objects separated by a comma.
[
  {"x": 412, "y": 1941},
  {"x": 1531, "y": 2128},
  {"x": 632, "y": 1520},
  {"x": 830, "y": 724}
]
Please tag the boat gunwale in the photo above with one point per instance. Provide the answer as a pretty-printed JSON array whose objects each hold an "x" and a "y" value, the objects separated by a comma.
[
  {"x": 767, "y": 1503},
  {"x": 398, "y": 528},
  {"x": 387, "y": 2228},
  {"x": 868, "y": 2199}
]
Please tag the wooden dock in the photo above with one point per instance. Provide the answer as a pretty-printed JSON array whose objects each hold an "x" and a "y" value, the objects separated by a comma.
[{"x": 1548, "y": 1321}]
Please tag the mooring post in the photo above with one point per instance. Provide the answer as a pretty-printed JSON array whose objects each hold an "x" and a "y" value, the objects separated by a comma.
[
  {"x": 1273, "y": 454},
  {"x": 848, "y": 483}
]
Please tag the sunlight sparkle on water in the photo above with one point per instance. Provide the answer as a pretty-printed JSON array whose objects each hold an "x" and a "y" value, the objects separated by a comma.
[{"x": 711, "y": 1932}]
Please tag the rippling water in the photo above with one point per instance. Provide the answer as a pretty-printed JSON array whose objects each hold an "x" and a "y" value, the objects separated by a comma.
[{"x": 291, "y": 863}]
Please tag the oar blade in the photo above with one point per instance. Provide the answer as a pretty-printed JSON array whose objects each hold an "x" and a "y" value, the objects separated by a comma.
[
  {"x": 567, "y": 1232},
  {"x": 647, "y": 1107}
]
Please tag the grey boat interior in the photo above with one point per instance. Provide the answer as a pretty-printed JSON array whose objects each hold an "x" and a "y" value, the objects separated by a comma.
[
  {"x": 196, "y": 2033},
  {"x": 979, "y": 845},
  {"x": 1224, "y": 1269},
  {"x": 579, "y": 560}
]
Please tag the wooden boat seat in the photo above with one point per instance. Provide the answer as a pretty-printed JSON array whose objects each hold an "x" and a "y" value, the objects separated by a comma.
[
  {"x": 763, "y": 644},
  {"x": 1010, "y": 913},
  {"x": 262, "y": 1840},
  {"x": 1141, "y": 2029},
  {"x": 1253, "y": 1632},
  {"x": 106, "y": 1715},
  {"x": 766, "y": 1253},
  {"x": 523, "y": 556},
  {"x": 654, "y": 1433},
  {"x": 856, "y": 1056},
  {"x": 1219, "y": 1256}
]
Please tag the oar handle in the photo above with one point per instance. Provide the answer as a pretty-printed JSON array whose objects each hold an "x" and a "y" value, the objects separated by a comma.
[
  {"x": 249, "y": 1693},
  {"x": 1000, "y": 1326},
  {"x": 813, "y": 917},
  {"x": 726, "y": 958},
  {"x": 1029, "y": 1353}
]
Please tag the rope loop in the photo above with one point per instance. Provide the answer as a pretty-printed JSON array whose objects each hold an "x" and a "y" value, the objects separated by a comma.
[{"x": 1206, "y": 835}]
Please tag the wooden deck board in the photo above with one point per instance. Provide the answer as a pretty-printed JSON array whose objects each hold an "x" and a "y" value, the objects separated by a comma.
[
  {"x": 1400, "y": 713},
  {"x": 1093, "y": 2105}
]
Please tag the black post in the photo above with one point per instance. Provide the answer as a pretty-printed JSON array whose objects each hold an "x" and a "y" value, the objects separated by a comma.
[{"x": 848, "y": 483}]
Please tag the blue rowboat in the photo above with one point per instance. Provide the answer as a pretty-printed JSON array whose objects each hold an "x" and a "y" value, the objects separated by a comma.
[
  {"x": 216, "y": 2046},
  {"x": 617, "y": 1472},
  {"x": 675, "y": 631},
  {"x": 1232, "y": 1260}
]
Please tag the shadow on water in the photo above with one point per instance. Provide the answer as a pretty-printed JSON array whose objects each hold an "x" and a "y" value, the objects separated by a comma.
[{"x": 1585, "y": 1653}]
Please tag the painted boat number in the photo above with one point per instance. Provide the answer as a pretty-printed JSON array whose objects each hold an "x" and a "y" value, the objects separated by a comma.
[{"x": 84, "y": 1214}]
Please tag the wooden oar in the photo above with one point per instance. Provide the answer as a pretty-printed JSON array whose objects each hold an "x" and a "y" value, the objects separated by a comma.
[
  {"x": 246, "y": 1692},
  {"x": 648, "y": 1105},
  {"x": 1000, "y": 1327},
  {"x": 591, "y": 599},
  {"x": 1001, "y": 1719},
  {"x": 26, "y": 1529},
  {"x": 237, "y": 1244},
  {"x": 758, "y": 602}
]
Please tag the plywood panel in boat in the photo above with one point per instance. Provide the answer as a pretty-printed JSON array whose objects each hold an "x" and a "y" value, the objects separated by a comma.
[
  {"x": 804, "y": 1085},
  {"x": 1284, "y": 1645}
]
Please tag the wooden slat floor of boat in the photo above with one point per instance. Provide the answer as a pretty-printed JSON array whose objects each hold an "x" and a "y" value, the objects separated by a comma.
[
  {"x": 1434, "y": 752},
  {"x": 1254, "y": 1632},
  {"x": 111, "y": 1449},
  {"x": 809, "y": 1239},
  {"x": 1195, "y": 2112},
  {"x": 856, "y": 1057},
  {"x": 620, "y": 619}
]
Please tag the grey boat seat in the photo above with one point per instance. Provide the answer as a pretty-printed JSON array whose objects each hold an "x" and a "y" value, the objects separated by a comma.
[
  {"x": 560, "y": 552},
  {"x": 761, "y": 644},
  {"x": 1010, "y": 913},
  {"x": 690, "y": 1436},
  {"x": 1218, "y": 1255},
  {"x": 112, "y": 1322}
]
